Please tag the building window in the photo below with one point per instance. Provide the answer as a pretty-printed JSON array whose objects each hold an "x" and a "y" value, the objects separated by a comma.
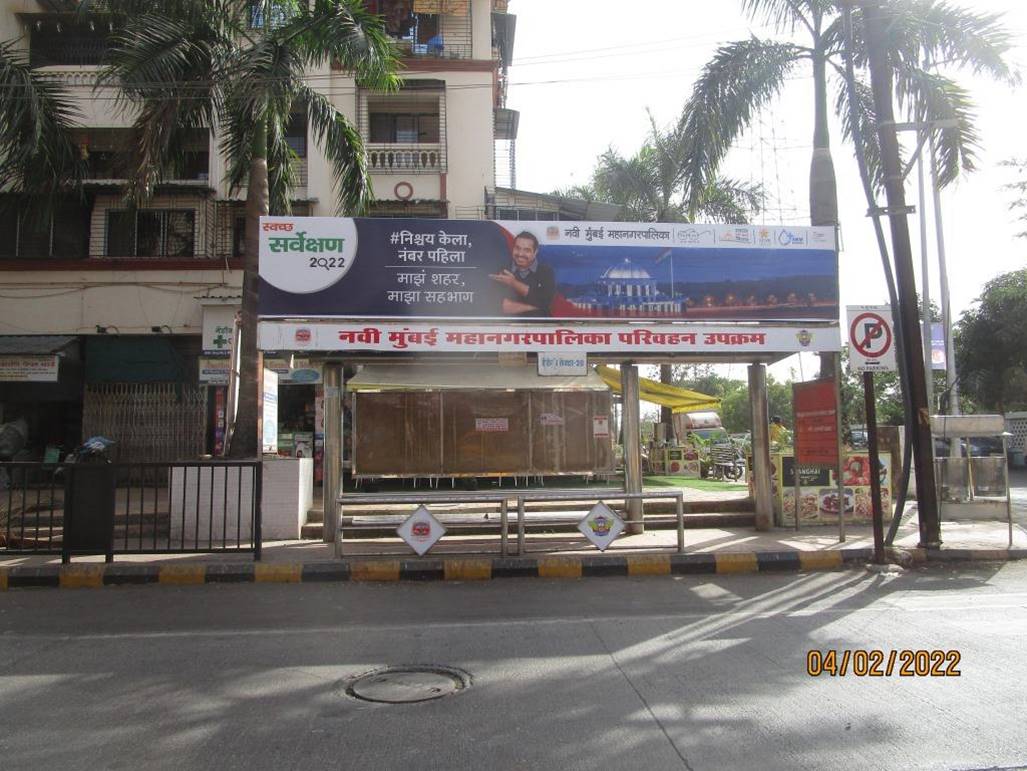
[
  {"x": 404, "y": 128},
  {"x": 62, "y": 234},
  {"x": 296, "y": 133},
  {"x": 151, "y": 233},
  {"x": 277, "y": 14}
]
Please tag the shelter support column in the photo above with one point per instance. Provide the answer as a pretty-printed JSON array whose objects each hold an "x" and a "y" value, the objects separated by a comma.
[
  {"x": 761, "y": 485},
  {"x": 333, "y": 446},
  {"x": 632, "y": 444}
]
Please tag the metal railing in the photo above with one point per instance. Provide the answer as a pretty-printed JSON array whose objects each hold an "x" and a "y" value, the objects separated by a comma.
[
  {"x": 502, "y": 503},
  {"x": 412, "y": 158},
  {"x": 130, "y": 508}
]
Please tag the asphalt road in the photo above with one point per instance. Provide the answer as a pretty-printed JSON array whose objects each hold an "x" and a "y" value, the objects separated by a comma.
[{"x": 689, "y": 672}]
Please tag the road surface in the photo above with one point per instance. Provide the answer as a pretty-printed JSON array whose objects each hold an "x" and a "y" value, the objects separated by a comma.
[{"x": 696, "y": 672}]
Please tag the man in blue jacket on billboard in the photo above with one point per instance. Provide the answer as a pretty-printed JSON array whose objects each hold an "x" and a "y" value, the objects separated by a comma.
[{"x": 532, "y": 284}]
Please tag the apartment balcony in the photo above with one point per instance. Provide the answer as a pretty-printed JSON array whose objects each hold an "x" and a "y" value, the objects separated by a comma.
[
  {"x": 389, "y": 158},
  {"x": 438, "y": 29},
  {"x": 66, "y": 39}
]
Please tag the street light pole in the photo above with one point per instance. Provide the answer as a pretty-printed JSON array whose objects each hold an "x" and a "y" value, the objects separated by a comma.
[
  {"x": 897, "y": 211},
  {"x": 925, "y": 286},
  {"x": 946, "y": 308}
]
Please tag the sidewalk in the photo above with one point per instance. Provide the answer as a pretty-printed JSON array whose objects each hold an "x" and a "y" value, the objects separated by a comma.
[{"x": 707, "y": 550}]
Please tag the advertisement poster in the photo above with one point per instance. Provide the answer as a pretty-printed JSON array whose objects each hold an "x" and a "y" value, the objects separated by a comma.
[
  {"x": 818, "y": 493},
  {"x": 269, "y": 441},
  {"x": 333, "y": 267},
  {"x": 816, "y": 423}
]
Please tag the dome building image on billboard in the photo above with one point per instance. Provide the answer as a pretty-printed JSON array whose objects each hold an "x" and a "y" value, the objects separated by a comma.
[{"x": 626, "y": 289}]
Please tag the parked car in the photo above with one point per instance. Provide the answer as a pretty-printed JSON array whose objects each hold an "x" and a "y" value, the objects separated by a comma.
[{"x": 980, "y": 446}]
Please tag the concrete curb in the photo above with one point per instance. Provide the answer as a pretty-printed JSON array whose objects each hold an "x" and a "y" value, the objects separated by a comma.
[{"x": 94, "y": 576}]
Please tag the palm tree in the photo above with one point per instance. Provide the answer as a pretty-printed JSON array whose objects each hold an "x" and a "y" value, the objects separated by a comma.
[
  {"x": 238, "y": 67},
  {"x": 652, "y": 186},
  {"x": 38, "y": 155},
  {"x": 745, "y": 75}
]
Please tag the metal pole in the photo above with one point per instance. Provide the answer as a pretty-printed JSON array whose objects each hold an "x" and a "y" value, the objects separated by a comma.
[
  {"x": 681, "y": 522},
  {"x": 504, "y": 526},
  {"x": 870, "y": 404},
  {"x": 946, "y": 309},
  {"x": 520, "y": 525},
  {"x": 258, "y": 494},
  {"x": 632, "y": 445},
  {"x": 333, "y": 447},
  {"x": 881, "y": 85},
  {"x": 796, "y": 476},
  {"x": 841, "y": 449},
  {"x": 761, "y": 484},
  {"x": 925, "y": 286}
]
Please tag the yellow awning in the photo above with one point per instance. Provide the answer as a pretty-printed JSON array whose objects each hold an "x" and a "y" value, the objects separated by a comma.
[{"x": 678, "y": 399}]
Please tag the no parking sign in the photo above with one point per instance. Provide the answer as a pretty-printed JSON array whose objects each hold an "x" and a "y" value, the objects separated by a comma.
[{"x": 871, "y": 338}]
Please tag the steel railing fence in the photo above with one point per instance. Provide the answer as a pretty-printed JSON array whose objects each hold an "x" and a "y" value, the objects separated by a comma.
[
  {"x": 502, "y": 503},
  {"x": 142, "y": 508}
]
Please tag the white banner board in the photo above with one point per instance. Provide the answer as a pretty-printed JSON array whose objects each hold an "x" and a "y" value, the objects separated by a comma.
[
  {"x": 269, "y": 434},
  {"x": 570, "y": 364},
  {"x": 29, "y": 369},
  {"x": 604, "y": 338}
]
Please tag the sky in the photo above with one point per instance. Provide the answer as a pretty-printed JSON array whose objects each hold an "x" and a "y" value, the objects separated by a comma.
[{"x": 585, "y": 73}]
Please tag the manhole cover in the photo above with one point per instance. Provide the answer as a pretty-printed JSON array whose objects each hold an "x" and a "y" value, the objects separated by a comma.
[{"x": 408, "y": 684}]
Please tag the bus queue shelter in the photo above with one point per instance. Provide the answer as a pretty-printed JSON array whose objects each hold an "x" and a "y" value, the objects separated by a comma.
[{"x": 561, "y": 294}]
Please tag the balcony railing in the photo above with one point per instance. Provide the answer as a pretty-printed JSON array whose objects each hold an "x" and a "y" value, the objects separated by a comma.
[
  {"x": 387, "y": 158},
  {"x": 107, "y": 166},
  {"x": 440, "y": 36}
]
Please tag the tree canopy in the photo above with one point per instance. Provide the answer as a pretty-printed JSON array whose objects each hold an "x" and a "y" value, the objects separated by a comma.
[
  {"x": 651, "y": 185},
  {"x": 991, "y": 352}
]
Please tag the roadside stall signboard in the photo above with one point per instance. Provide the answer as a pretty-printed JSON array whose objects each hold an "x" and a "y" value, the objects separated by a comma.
[
  {"x": 601, "y": 526},
  {"x": 871, "y": 338},
  {"x": 421, "y": 531}
]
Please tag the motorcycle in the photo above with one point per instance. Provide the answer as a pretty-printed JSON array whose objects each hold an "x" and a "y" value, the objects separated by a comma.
[{"x": 727, "y": 463}]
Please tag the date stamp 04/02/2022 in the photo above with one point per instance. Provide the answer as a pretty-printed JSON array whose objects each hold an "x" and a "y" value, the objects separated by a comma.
[{"x": 875, "y": 662}]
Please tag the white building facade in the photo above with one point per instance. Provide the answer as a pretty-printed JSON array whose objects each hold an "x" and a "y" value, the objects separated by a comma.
[{"x": 96, "y": 269}]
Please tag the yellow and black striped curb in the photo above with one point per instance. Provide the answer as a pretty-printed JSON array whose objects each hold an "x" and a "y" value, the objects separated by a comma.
[{"x": 85, "y": 576}]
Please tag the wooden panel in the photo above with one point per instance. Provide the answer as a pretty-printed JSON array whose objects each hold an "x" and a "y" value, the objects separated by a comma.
[
  {"x": 486, "y": 432},
  {"x": 563, "y": 440},
  {"x": 397, "y": 433}
]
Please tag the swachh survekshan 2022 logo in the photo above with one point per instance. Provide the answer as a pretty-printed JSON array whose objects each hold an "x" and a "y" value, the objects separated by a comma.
[{"x": 308, "y": 254}]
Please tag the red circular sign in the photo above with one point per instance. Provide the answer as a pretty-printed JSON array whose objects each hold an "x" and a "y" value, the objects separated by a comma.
[
  {"x": 404, "y": 191},
  {"x": 868, "y": 331}
]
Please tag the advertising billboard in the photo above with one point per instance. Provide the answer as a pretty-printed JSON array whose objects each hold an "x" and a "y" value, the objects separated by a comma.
[{"x": 409, "y": 269}]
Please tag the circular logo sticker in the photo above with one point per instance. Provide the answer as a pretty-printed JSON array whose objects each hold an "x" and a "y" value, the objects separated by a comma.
[{"x": 306, "y": 254}]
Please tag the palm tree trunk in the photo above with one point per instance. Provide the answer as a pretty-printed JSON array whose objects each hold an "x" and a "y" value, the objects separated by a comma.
[
  {"x": 245, "y": 443},
  {"x": 667, "y": 377},
  {"x": 823, "y": 187}
]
